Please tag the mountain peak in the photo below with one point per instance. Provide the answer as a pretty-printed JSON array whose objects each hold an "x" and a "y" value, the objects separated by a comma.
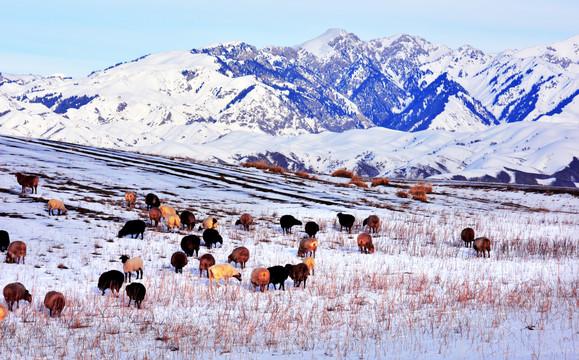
[{"x": 320, "y": 46}]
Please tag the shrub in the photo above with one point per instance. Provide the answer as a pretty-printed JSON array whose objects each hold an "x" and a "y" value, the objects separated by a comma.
[
  {"x": 256, "y": 164},
  {"x": 380, "y": 181},
  {"x": 401, "y": 194},
  {"x": 343, "y": 173},
  {"x": 302, "y": 174},
  {"x": 358, "y": 183},
  {"x": 419, "y": 195},
  {"x": 421, "y": 188}
]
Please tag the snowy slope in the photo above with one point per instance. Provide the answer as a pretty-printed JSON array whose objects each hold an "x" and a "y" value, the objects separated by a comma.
[{"x": 421, "y": 295}]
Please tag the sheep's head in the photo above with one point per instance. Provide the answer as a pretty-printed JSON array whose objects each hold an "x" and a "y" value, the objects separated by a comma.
[
  {"x": 371, "y": 249},
  {"x": 124, "y": 258},
  {"x": 237, "y": 276},
  {"x": 27, "y": 296},
  {"x": 9, "y": 258}
]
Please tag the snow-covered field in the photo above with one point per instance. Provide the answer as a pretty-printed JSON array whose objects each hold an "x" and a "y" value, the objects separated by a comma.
[{"x": 422, "y": 294}]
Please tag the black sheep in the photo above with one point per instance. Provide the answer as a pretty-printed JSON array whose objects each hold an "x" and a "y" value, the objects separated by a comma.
[
  {"x": 112, "y": 279},
  {"x": 133, "y": 227},
  {"x": 187, "y": 220},
  {"x": 136, "y": 292},
  {"x": 4, "y": 240},
  {"x": 211, "y": 236},
  {"x": 278, "y": 275},
  {"x": 287, "y": 221},
  {"x": 179, "y": 260},
  {"x": 346, "y": 221},
  {"x": 152, "y": 201},
  {"x": 190, "y": 244},
  {"x": 298, "y": 273},
  {"x": 312, "y": 228}
]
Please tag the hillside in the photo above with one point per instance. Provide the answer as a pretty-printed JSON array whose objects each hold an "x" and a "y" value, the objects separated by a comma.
[{"x": 421, "y": 295}]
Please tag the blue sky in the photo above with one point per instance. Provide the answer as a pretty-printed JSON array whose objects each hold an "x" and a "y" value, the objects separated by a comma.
[{"x": 77, "y": 37}]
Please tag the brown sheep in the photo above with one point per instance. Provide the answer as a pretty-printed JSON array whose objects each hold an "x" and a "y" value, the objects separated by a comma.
[
  {"x": 373, "y": 223},
  {"x": 365, "y": 243},
  {"x": 239, "y": 255},
  {"x": 131, "y": 199},
  {"x": 14, "y": 292},
  {"x": 3, "y": 313},
  {"x": 187, "y": 220},
  {"x": 28, "y": 181},
  {"x": 298, "y": 273},
  {"x": 205, "y": 262},
  {"x": 179, "y": 260},
  {"x": 467, "y": 235},
  {"x": 308, "y": 247},
  {"x": 482, "y": 244},
  {"x": 245, "y": 220},
  {"x": 155, "y": 215},
  {"x": 260, "y": 277},
  {"x": 54, "y": 302},
  {"x": 16, "y": 251}
]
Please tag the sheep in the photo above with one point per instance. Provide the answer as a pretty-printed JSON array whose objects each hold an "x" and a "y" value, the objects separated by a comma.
[
  {"x": 133, "y": 227},
  {"x": 205, "y": 262},
  {"x": 278, "y": 275},
  {"x": 482, "y": 244},
  {"x": 14, "y": 292},
  {"x": 136, "y": 292},
  {"x": 346, "y": 221},
  {"x": 28, "y": 181},
  {"x": 179, "y": 260},
  {"x": 209, "y": 223},
  {"x": 245, "y": 220},
  {"x": 260, "y": 277},
  {"x": 220, "y": 272},
  {"x": 4, "y": 240},
  {"x": 311, "y": 263},
  {"x": 467, "y": 235},
  {"x": 16, "y": 251},
  {"x": 312, "y": 229},
  {"x": 298, "y": 273},
  {"x": 112, "y": 279},
  {"x": 187, "y": 220},
  {"x": 155, "y": 215},
  {"x": 173, "y": 221},
  {"x": 151, "y": 200},
  {"x": 166, "y": 210},
  {"x": 239, "y": 255},
  {"x": 308, "y": 246},
  {"x": 373, "y": 223},
  {"x": 211, "y": 236},
  {"x": 3, "y": 313},
  {"x": 130, "y": 199},
  {"x": 130, "y": 265},
  {"x": 365, "y": 243},
  {"x": 54, "y": 204},
  {"x": 190, "y": 244},
  {"x": 286, "y": 222},
  {"x": 54, "y": 302}
]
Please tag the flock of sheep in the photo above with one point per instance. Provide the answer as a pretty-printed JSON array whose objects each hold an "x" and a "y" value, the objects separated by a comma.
[{"x": 190, "y": 244}]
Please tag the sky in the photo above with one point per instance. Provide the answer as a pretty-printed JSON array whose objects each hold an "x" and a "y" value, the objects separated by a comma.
[{"x": 77, "y": 37}]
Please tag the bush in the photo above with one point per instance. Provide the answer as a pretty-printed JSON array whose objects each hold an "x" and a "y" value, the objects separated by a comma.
[
  {"x": 343, "y": 173},
  {"x": 358, "y": 183},
  {"x": 421, "y": 188},
  {"x": 401, "y": 194},
  {"x": 380, "y": 181},
  {"x": 302, "y": 174},
  {"x": 263, "y": 166},
  {"x": 419, "y": 195}
]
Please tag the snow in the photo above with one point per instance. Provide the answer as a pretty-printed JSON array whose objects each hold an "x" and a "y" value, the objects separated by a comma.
[
  {"x": 421, "y": 295},
  {"x": 320, "y": 46}
]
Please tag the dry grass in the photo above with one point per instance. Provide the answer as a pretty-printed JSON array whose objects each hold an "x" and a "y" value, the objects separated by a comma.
[
  {"x": 380, "y": 182},
  {"x": 358, "y": 183},
  {"x": 343, "y": 174},
  {"x": 302, "y": 174},
  {"x": 401, "y": 194}
]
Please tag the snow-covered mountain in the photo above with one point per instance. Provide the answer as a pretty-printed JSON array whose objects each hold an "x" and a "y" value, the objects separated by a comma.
[{"x": 336, "y": 82}]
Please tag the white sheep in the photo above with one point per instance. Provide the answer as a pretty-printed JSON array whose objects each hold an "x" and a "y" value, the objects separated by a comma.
[
  {"x": 130, "y": 265},
  {"x": 3, "y": 313},
  {"x": 222, "y": 271},
  {"x": 54, "y": 204},
  {"x": 311, "y": 263},
  {"x": 173, "y": 221},
  {"x": 166, "y": 210}
]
